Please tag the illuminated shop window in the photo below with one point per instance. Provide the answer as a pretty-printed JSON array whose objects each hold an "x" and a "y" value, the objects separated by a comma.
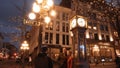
[
  {"x": 89, "y": 25},
  {"x": 116, "y": 34},
  {"x": 91, "y": 35},
  {"x": 94, "y": 26}
]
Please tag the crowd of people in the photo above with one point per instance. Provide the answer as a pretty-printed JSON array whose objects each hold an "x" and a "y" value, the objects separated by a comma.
[
  {"x": 65, "y": 60},
  {"x": 44, "y": 61}
]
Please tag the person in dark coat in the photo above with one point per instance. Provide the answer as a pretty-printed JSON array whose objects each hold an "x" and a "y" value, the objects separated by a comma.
[
  {"x": 117, "y": 60},
  {"x": 64, "y": 63},
  {"x": 62, "y": 60},
  {"x": 42, "y": 60}
]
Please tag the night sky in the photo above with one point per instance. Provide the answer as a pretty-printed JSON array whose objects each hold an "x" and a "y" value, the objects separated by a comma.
[{"x": 8, "y": 10}]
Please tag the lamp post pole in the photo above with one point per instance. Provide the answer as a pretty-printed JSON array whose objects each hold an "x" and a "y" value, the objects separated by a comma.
[
  {"x": 40, "y": 37},
  {"x": 42, "y": 9}
]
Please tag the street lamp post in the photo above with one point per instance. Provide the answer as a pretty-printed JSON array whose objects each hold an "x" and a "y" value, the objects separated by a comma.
[
  {"x": 41, "y": 12},
  {"x": 24, "y": 47},
  {"x": 78, "y": 26}
]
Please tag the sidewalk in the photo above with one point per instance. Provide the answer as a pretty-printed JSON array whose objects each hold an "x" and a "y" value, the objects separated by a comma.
[
  {"x": 105, "y": 65},
  {"x": 100, "y": 65}
]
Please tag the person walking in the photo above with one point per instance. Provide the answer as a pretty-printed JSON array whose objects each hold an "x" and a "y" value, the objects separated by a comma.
[
  {"x": 62, "y": 60},
  {"x": 42, "y": 60},
  {"x": 117, "y": 60},
  {"x": 70, "y": 60},
  {"x": 64, "y": 63},
  {"x": 30, "y": 60}
]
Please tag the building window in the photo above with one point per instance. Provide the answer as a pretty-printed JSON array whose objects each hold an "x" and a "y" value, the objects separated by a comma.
[
  {"x": 93, "y": 16},
  {"x": 63, "y": 39},
  {"x": 46, "y": 37},
  {"x": 57, "y": 25},
  {"x": 101, "y": 27},
  {"x": 51, "y": 38},
  {"x": 89, "y": 25},
  {"x": 94, "y": 26},
  {"x": 103, "y": 18},
  {"x": 106, "y": 28},
  {"x": 67, "y": 27},
  {"x": 103, "y": 37},
  {"x": 63, "y": 27},
  {"x": 116, "y": 34},
  {"x": 57, "y": 38},
  {"x": 91, "y": 35},
  {"x": 64, "y": 16},
  {"x": 96, "y": 36},
  {"x": 107, "y": 38},
  {"x": 49, "y": 26},
  {"x": 58, "y": 15},
  {"x": 67, "y": 39}
]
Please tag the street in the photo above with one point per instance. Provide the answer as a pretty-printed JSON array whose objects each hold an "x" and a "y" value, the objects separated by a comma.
[
  {"x": 13, "y": 64},
  {"x": 105, "y": 65},
  {"x": 10, "y": 64}
]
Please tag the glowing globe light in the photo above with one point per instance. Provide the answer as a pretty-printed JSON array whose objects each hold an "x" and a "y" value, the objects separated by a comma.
[
  {"x": 39, "y": 1},
  {"x": 36, "y": 8},
  {"x": 47, "y": 19},
  {"x": 32, "y": 16},
  {"x": 50, "y": 3},
  {"x": 53, "y": 13}
]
